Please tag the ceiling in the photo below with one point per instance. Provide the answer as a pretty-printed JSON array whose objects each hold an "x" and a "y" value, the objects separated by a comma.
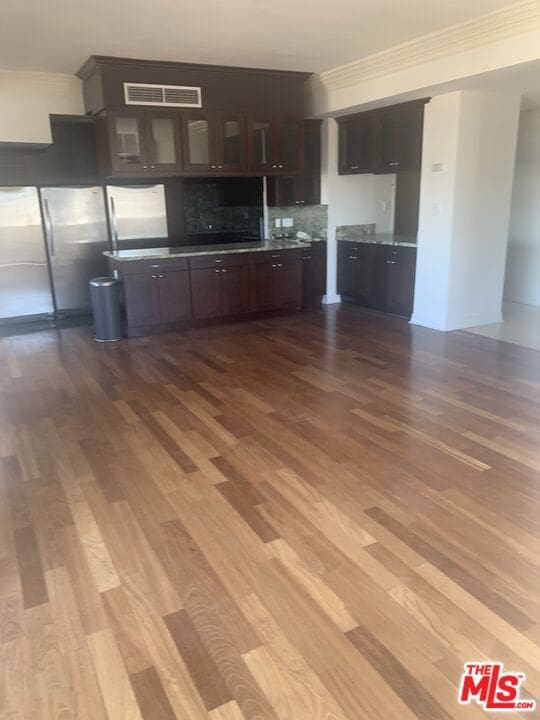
[{"x": 312, "y": 35}]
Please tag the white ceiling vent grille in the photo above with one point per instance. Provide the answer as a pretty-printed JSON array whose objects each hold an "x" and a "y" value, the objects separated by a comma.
[{"x": 162, "y": 95}]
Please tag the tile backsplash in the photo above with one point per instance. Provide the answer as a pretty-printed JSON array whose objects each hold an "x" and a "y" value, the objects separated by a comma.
[
  {"x": 206, "y": 209},
  {"x": 355, "y": 232},
  {"x": 311, "y": 219}
]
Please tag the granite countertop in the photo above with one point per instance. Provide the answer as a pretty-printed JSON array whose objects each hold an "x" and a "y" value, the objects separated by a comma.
[
  {"x": 383, "y": 239},
  {"x": 192, "y": 250}
]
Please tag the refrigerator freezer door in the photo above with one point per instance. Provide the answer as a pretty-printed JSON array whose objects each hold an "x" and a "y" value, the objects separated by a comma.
[
  {"x": 24, "y": 278},
  {"x": 76, "y": 231},
  {"x": 138, "y": 216}
]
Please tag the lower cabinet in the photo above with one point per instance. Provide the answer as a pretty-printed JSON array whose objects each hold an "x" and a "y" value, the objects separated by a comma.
[
  {"x": 380, "y": 277},
  {"x": 220, "y": 292},
  {"x": 160, "y": 295},
  {"x": 314, "y": 273},
  {"x": 159, "y": 298},
  {"x": 277, "y": 282}
]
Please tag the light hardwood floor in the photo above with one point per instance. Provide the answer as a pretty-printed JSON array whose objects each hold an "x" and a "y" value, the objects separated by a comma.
[{"x": 318, "y": 517}]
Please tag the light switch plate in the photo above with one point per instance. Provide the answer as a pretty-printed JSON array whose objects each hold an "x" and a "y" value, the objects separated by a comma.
[
  {"x": 278, "y": 222},
  {"x": 287, "y": 222}
]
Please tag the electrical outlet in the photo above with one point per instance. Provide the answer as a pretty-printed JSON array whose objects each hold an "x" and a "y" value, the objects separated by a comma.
[
  {"x": 278, "y": 222},
  {"x": 287, "y": 222}
]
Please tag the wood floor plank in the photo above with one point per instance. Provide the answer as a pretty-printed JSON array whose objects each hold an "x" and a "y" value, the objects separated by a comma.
[{"x": 320, "y": 516}]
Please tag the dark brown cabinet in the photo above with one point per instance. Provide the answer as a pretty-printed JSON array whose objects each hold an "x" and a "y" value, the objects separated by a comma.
[
  {"x": 275, "y": 144},
  {"x": 304, "y": 189},
  {"x": 276, "y": 280},
  {"x": 382, "y": 141},
  {"x": 357, "y": 144},
  {"x": 157, "y": 298},
  {"x": 214, "y": 143},
  {"x": 140, "y": 142},
  {"x": 356, "y": 276},
  {"x": 380, "y": 277},
  {"x": 314, "y": 273},
  {"x": 164, "y": 294},
  {"x": 397, "y": 275},
  {"x": 400, "y": 138},
  {"x": 220, "y": 286}
]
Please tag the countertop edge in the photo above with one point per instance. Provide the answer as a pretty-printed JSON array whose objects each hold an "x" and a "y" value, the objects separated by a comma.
[{"x": 292, "y": 245}]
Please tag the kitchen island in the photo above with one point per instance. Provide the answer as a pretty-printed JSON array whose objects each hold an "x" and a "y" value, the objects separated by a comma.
[{"x": 166, "y": 289}]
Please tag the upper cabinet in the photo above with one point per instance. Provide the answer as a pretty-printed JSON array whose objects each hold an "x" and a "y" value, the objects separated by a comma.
[
  {"x": 214, "y": 143},
  {"x": 382, "y": 141},
  {"x": 139, "y": 142},
  {"x": 176, "y": 118},
  {"x": 275, "y": 144},
  {"x": 304, "y": 188}
]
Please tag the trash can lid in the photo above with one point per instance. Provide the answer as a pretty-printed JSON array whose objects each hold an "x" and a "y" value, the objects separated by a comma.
[{"x": 103, "y": 281}]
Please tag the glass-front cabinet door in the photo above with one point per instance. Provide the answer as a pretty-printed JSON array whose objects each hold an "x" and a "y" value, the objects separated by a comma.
[
  {"x": 197, "y": 142},
  {"x": 261, "y": 145},
  {"x": 127, "y": 134},
  {"x": 291, "y": 144},
  {"x": 231, "y": 146},
  {"x": 163, "y": 142}
]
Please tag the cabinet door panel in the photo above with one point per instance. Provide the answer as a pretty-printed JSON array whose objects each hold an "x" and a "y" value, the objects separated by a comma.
[
  {"x": 261, "y": 142},
  {"x": 314, "y": 272},
  {"x": 356, "y": 150},
  {"x": 264, "y": 280},
  {"x": 290, "y": 284},
  {"x": 174, "y": 296},
  {"x": 356, "y": 275},
  {"x": 205, "y": 294},
  {"x": 235, "y": 291},
  {"x": 163, "y": 142},
  {"x": 399, "y": 266},
  {"x": 198, "y": 150},
  {"x": 127, "y": 141},
  {"x": 142, "y": 299},
  {"x": 231, "y": 153},
  {"x": 291, "y": 145}
]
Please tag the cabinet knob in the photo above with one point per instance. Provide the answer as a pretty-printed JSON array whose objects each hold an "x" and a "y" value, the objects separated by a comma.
[
  {"x": 218, "y": 261},
  {"x": 216, "y": 270},
  {"x": 213, "y": 167},
  {"x": 152, "y": 167},
  {"x": 353, "y": 257},
  {"x": 223, "y": 270},
  {"x": 280, "y": 166},
  {"x": 390, "y": 262},
  {"x": 274, "y": 166},
  {"x": 145, "y": 167},
  {"x": 220, "y": 167}
]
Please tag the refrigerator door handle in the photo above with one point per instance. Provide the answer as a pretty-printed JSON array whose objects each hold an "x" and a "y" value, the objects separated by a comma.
[
  {"x": 49, "y": 232},
  {"x": 114, "y": 226}
]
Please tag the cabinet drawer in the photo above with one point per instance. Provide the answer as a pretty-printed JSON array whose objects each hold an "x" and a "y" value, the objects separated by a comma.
[
  {"x": 221, "y": 260},
  {"x": 269, "y": 256},
  {"x": 134, "y": 267}
]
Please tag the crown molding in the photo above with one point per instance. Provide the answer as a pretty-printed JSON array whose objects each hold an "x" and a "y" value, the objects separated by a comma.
[
  {"x": 506, "y": 22},
  {"x": 48, "y": 81}
]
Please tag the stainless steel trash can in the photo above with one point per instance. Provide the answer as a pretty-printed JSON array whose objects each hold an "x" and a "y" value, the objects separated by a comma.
[{"x": 105, "y": 299}]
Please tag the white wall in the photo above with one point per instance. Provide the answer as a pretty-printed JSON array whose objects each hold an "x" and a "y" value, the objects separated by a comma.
[
  {"x": 465, "y": 208},
  {"x": 351, "y": 200},
  {"x": 523, "y": 259},
  {"x": 27, "y": 99}
]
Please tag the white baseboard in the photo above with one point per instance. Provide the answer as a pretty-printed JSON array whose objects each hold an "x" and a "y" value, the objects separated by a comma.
[
  {"x": 331, "y": 299},
  {"x": 462, "y": 324}
]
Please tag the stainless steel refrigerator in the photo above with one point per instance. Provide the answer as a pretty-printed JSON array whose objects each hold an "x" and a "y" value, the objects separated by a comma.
[
  {"x": 25, "y": 287},
  {"x": 75, "y": 225},
  {"x": 138, "y": 216}
]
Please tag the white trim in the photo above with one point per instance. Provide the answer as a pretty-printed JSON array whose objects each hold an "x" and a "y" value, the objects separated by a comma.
[
  {"x": 331, "y": 299},
  {"x": 467, "y": 322},
  {"x": 506, "y": 22}
]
